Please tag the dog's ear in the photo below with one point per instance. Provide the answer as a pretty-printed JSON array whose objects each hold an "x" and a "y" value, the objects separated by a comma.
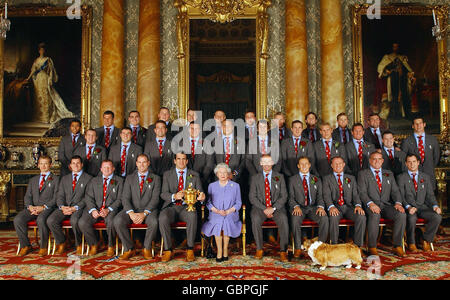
[{"x": 315, "y": 239}]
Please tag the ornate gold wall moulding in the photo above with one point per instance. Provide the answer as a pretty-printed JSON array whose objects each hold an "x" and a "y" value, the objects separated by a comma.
[{"x": 223, "y": 11}]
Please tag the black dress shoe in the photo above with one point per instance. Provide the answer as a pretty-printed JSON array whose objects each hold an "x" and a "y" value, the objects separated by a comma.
[
  {"x": 225, "y": 258},
  {"x": 219, "y": 259}
]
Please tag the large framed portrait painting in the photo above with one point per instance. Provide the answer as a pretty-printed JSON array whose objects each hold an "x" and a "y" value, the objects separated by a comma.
[
  {"x": 46, "y": 66},
  {"x": 399, "y": 67}
]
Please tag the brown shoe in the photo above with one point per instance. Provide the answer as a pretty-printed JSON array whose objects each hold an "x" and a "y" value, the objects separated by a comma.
[
  {"x": 79, "y": 250},
  {"x": 373, "y": 251},
  {"x": 167, "y": 256},
  {"x": 147, "y": 254},
  {"x": 111, "y": 251},
  {"x": 93, "y": 250},
  {"x": 60, "y": 249},
  {"x": 43, "y": 252},
  {"x": 190, "y": 257},
  {"x": 297, "y": 253},
  {"x": 24, "y": 251},
  {"x": 259, "y": 254},
  {"x": 426, "y": 246},
  {"x": 399, "y": 251},
  {"x": 412, "y": 248},
  {"x": 129, "y": 254},
  {"x": 284, "y": 256}
]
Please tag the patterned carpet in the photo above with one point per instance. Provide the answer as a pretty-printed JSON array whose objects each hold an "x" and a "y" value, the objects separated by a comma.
[{"x": 422, "y": 266}]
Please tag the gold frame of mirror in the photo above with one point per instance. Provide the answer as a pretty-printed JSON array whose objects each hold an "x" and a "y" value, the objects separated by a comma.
[
  {"x": 39, "y": 10},
  {"x": 360, "y": 10},
  {"x": 209, "y": 9}
]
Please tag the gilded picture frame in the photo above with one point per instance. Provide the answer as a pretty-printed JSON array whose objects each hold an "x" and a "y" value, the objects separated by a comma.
[
  {"x": 207, "y": 9},
  {"x": 395, "y": 13},
  {"x": 36, "y": 12}
]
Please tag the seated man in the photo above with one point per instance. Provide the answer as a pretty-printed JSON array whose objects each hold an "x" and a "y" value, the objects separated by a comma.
[
  {"x": 417, "y": 189},
  {"x": 70, "y": 203},
  {"x": 340, "y": 192},
  {"x": 103, "y": 200},
  {"x": 268, "y": 196},
  {"x": 140, "y": 199},
  {"x": 175, "y": 182},
  {"x": 381, "y": 197},
  {"x": 305, "y": 200},
  {"x": 39, "y": 201}
]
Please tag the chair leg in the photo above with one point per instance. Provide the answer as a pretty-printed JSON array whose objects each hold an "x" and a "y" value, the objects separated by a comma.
[
  {"x": 54, "y": 247},
  {"x": 18, "y": 249},
  {"x": 432, "y": 247},
  {"x": 117, "y": 245},
  {"x": 380, "y": 234},
  {"x": 36, "y": 238},
  {"x": 162, "y": 245},
  {"x": 87, "y": 250},
  {"x": 203, "y": 247},
  {"x": 82, "y": 245},
  {"x": 49, "y": 244},
  {"x": 244, "y": 239},
  {"x": 153, "y": 248},
  {"x": 293, "y": 243}
]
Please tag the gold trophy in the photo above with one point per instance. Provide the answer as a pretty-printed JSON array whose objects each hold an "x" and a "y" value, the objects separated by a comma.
[{"x": 190, "y": 197}]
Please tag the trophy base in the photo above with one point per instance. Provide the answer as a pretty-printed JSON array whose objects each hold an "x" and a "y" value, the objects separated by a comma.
[{"x": 191, "y": 208}]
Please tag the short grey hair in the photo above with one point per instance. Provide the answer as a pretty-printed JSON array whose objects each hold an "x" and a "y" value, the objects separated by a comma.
[{"x": 222, "y": 166}]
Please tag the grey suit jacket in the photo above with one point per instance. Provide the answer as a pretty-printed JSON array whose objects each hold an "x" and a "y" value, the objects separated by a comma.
[
  {"x": 353, "y": 166},
  {"x": 115, "y": 137},
  {"x": 331, "y": 193},
  {"x": 94, "y": 193},
  {"x": 201, "y": 162},
  {"x": 323, "y": 167},
  {"x": 252, "y": 161},
  {"x": 432, "y": 153},
  {"x": 133, "y": 152},
  {"x": 66, "y": 151},
  {"x": 170, "y": 184},
  {"x": 425, "y": 194},
  {"x": 141, "y": 137},
  {"x": 45, "y": 197},
  {"x": 297, "y": 193},
  {"x": 151, "y": 135},
  {"x": 290, "y": 159},
  {"x": 237, "y": 160},
  {"x": 368, "y": 188},
  {"x": 159, "y": 164},
  {"x": 67, "y": 197},
  {"x": 397, "y": 166},
  {"x": 132, "y": 199},
  {"x": 338, "y": 137},
  {"x": 92, "y": 166},
  {"x": 371, "y": 138},
  {"x": 278, "y": 191}
]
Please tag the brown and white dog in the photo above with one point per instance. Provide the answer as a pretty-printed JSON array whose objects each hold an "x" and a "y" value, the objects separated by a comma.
[{"x": 333, "y": 255}]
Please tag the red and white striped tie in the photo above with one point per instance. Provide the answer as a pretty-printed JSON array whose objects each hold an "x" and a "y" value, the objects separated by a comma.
[
  {"x": 378, "y": 180},
  {"x": 74, "y": 181},
  {"x": 267, "y": 191},
  {"x": 123, "y": 159},
  {"x": 306, "y": 190},
  {"x": 41, "y": 185},
  {"x": 341, "y": 191},
  {"x": 421, "y": 149}
]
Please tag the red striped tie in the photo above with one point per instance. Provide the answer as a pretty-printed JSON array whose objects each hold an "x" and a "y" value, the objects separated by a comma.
[
  {"x": 328, "y": 151},
  {"x": 306, "y": 190},
  {"x": 160, "y": 148},
  {"x": 296, "y": 146},
  {"x": 41, "y": 185},
  {"x": 391, "y": 157},
  {"x": 193, "y": 149},
  {"x": 341, "y": 191},
  {"x": 267, "y": 191},
  {"x": 227, "y": 155},
  {"x": 360, "y": 154},
  {"x": 263, "y": 147},
  {"x": 108, "y": 137},
  {"x": 135, "y": 134},
  {"x": 414, "y": 181},
  {"x": 378, "y": 180},
  {"x": 74, "y": 140},
  {"x": 141, "y": 184},
  {"x": 123, "y": 158},
  {"x": 421, "y": 149},
  {"x": 89, "y": 155},
  {"x": 344, "y": 136},
  {"x": 74, "y": 181},
  {"x": 180, "y": 187},
  {"x": 105, "y": 187}
]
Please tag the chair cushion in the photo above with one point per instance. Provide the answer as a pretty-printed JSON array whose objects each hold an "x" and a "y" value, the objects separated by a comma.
[
  {"x": 100, "y": 225},
  {"x": 137, "y": 226},
  {"x": 269, "y": 223},
  {"x": 346, "y": 222},
  {"x": 386, "y": 222},
  {"x": 178, "y": 224},
  {"x": 32, "y": 224},
  {"x": 66, "y": 223},
  {"x": 421, "y": 222}
]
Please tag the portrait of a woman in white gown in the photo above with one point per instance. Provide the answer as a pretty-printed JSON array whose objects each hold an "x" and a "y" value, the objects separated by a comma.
[{"x": 48, "y": 106}]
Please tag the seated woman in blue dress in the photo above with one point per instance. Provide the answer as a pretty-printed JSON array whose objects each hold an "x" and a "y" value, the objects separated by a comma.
[{"x": 224, "y": 203}]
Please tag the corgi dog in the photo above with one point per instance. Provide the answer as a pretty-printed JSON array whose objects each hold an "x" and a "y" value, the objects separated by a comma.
[{"x": 332, "y": 255}]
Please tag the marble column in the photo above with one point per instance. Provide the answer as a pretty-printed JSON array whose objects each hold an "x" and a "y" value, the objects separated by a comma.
[
  {"x": 113, "y": 60},
  {"x": 297, "y": 101},
  {"x": 333, "y": 91},
  {"x": 149, "y": 68}
]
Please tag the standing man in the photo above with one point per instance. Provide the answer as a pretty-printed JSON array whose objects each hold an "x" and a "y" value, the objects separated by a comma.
[
  {"x": 163, "y": 115},
  {"x": 159, "y": 149},
  {"x": 311, "y": 132},
  {"x": 342, "y": 133},
  {"x": 175, "y": 182},
  {"x": 394, "y": 158},
  {"x": 139, "y": 133},
  {"x": 306, "y": 200},
  {"x": 340, "y": 193},
  {"x": 280, "y": 126},
  {"x": 417, "y": 190},
  {"x": 358, "y": 151},
  {"x": 425, "y": 146},
  {"x": 294, "y": 148},
  {"x": 70, "y": 205},
  {"x": 103, "y": 200},
  {"x": 250, "y": 125},
  {"x": 108, "y": 135},
  {"x": 124, "y": 154},
  {"x": 91, "y": 153},
  {"x": 39, "y": 201},
  {"x": 381, "y": 197},
  {"x": 68, "y": 145},
  {"x": 372, "y": 134},
  {"x": 198, "y": 159},
  {"x": 268, "y": 195},
  {"x": 140, "y": 199},
  {"x": 325, "y": 149}
]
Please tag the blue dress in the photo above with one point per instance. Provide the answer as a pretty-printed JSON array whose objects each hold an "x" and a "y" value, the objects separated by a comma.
[{"x": 223, "y": 198}]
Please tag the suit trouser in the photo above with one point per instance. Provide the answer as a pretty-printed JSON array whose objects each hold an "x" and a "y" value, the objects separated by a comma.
[
  {"x": 121, "y": 222},
  {"x": 169, "y": 215},
  {"x": 373, "y": 224},
  {"x": 280, "y": 218},
  {"x": 54, "y": 223},
  {"x": 297, "y": 221},
  {"x": 21, "y": 226},
  {"x": 348, "y": 212},
  {"x": 431, "y": 228},
  {"x": 86, "y": 224}
]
